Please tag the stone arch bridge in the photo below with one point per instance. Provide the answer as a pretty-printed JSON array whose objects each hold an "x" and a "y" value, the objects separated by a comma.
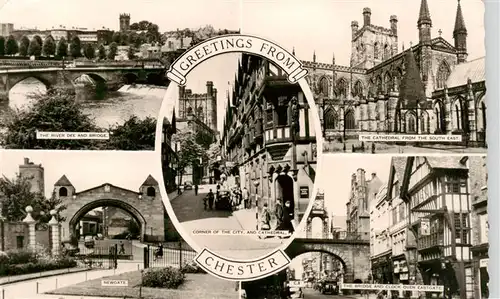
[
  {"x": 112, "y": 77},
  {"x": 353, "y": 254}
]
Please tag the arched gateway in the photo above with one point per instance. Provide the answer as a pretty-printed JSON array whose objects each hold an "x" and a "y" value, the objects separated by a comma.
[
  {"x": 353, "y": 254},
  {"x": 145, "y": 206}
]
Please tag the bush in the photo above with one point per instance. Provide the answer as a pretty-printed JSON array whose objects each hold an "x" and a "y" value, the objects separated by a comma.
[
  {"x": 21, "y": 257},
  {"x": 192, "y": 267},
  {"x": 170, "y": 278},
  {"x": 26, "y": 262}
]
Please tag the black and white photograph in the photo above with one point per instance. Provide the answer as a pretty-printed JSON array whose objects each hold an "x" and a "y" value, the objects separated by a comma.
[
  {"x": 387, "y": 76},
  {"x": 66, "y": 69},
  {"x": 75, "y": 228},
  {"x": 403, "y": 221},
  {"x": 239, "y": 152}
]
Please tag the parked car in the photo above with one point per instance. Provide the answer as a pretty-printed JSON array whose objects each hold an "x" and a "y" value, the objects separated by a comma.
[
  {"x": 188, "y": 186},
  {"x": 330, "y": 287}
]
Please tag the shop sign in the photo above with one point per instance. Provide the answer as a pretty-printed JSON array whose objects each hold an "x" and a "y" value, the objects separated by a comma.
[
  {"x": 304, "y": 192},
  {"x": 483, "y": 263}
]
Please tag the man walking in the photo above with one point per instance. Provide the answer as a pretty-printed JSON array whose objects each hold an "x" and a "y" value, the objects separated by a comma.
[
  {"x": 246, "y": 197},
  {"x": 196, "y": 189},
  {"x": 278, "y": 212}
]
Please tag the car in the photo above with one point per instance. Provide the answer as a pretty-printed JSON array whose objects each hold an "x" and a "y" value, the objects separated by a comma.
[
  {"x": 330, "y": 287},
  {"x": 188, "y": 186}
]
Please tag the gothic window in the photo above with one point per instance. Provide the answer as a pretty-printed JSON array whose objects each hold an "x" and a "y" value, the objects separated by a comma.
[
  {"x": 457, "y": 115},
  {"x": 379, "y": 85},
  {"x": 331, "y": 119},
  {"x": 424, "y": 120},
  {"x": 442, "y": 74},
  {"x": 371, "y": 88},
  {"x": 438, "y": 111},
  {"x": 350, "y": 121},
  {"x": 387, "y": 83},
  {"x": 151, "y": 191},
  {"x": 63, "y": 191},
  {"x": 323, "y": 86},
  {"x": 398, "y": 77},
  {"x": 387, "y": 52},
  {"x": 342, "y": 88},
  {"x": 199, "y": 113},
  {"x": 376, "y": 50},
  {"x": 358, "y": 89},
  {"x": 481, "y": 115},
  {"x": 411, "y": 123}
]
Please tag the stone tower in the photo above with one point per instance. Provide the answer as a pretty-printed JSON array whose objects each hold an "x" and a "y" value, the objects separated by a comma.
[
  {"x": 373, "y": 44},
  {"x": 203, "y": 106},
  {"x": 149, "y": 189},
  {"x": 63, "y": 188},
  {"x": 124, "y": 22},
  {"x": 34, "y": 173},
  {"x": 460, "y": 35}
]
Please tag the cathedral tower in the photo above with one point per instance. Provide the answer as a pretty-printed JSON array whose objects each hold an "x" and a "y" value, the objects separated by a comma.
[
  {"x": 460, "y": 35},
  {"x": 124, "y": 22},
  {"x": 373, "y": 44},
  {"x": 34, "y": 173}
]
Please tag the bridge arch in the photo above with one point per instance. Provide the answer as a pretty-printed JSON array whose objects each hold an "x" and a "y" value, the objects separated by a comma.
[
  {"x": 16, "y": 80},
  {"x": 117, "y": 203}
]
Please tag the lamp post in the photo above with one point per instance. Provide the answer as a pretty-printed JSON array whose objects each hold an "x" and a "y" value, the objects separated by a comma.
[{"x": 256, "y": 184}]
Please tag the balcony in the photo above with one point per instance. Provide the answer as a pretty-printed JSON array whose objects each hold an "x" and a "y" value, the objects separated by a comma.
[{"x": 432, "y": 240}]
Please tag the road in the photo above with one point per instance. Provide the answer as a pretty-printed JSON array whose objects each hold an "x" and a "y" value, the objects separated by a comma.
[
  {"x": 190, "y": 211},
  {"x": 28, "y": 289},
  {"x": 313, "y": 294}
]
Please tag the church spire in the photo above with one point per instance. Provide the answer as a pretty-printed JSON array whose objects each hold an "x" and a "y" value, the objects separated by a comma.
[
  {"x": 412, "y": 91},
  {"x": 424, "y": 23},
  {"x": 460, "y": 35}
]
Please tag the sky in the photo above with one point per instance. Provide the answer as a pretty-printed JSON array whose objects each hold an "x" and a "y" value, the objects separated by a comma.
[
  {"x": 167, "y": 14},
  {"x": 334, "y": 177},
  {"x": 324, "y": 26},
  {"x": 87, "y": 169}
]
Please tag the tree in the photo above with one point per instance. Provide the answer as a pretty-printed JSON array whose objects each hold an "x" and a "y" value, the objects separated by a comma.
[
  {"x": 89, "y": 51},
  {"x": 131, "y": 53},
  {"x": 75, "y": 47},
  {"x": 38, "y": 39},
  {"x": 190, "y": 151},
  {"x": 23, "y": 46},
  {"x": 113, "y": 50},
  {"x": 49, "y": 46},
  {"x": 35, "y": 49},
  {"x": 62, "y": 48},
  {"x": 134, "y": 134},
  {"x": 11, "y": 47},
  {"x": 2, "y": 46},
  {"x": 102, "y": 52},
  {"x": 117, "y": 37},
  {"x": 55, "y": 111}
]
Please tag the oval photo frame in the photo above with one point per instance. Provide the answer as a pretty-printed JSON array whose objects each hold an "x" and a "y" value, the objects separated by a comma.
[{"x": 275, "y": 260}]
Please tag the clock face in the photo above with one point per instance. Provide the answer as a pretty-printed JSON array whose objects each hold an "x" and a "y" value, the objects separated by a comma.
[{"x": 318, "y": 205}]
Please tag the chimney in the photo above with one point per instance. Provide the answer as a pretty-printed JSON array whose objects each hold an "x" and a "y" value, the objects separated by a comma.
[
  {"x": 367, "y": 13},
  {"x": 394, "y": 24},
  {"x": 26, "y": 161}
]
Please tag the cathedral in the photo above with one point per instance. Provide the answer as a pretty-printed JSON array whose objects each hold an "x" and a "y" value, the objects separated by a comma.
[{"x": 429, "y": 88}]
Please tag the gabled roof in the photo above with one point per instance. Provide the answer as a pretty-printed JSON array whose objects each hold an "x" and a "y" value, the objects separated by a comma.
[
  {"x": 473, "y": 70},
  {"x": 150, "y": 181},
  {"x": 446, "y": 162},
  {"x": 412, "y": 89},
  {"x": 63, "y": 181},
  {"x": 441, "y": 43}
]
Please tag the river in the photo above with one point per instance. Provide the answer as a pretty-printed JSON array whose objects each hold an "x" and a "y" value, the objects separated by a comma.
[{"x": 115, "y": 107}]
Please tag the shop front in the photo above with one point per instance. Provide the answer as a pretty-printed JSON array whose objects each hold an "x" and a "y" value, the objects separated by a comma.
[
  {"x": 382, "y": 269},
  {"x": 480, "y": 261}
]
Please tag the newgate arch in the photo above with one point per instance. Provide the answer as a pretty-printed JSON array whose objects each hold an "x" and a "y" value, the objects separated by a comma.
[
  {"x": 353, "y": 254},
  {"x": 145, "y": 206}
]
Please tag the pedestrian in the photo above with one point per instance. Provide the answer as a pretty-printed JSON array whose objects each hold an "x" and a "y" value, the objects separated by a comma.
[
  {"x": 210, "y": 197},
  {"x": 246, "y": 197},
  {"x": 265, "y": 218},
  {"x": 278, "y": 212},
  {"x": 196, "y": 189},
  {"x": 122, "y": 248},
  {"x": 159, "y": 252},
  {"x": 288, "y": 218}
]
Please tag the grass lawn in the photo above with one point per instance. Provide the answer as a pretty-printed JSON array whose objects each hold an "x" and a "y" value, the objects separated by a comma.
[{"x": 203, "y": 286}]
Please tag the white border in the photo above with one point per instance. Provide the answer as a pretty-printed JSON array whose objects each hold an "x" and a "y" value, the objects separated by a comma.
[{"x": 166, "y": 201}]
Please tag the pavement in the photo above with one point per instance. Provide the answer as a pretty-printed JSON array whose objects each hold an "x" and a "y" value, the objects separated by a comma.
[
  {"x": 314, "y": 294},
  {"x": 189, "y": 210},
  {"x": 34, "y": 289}
]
